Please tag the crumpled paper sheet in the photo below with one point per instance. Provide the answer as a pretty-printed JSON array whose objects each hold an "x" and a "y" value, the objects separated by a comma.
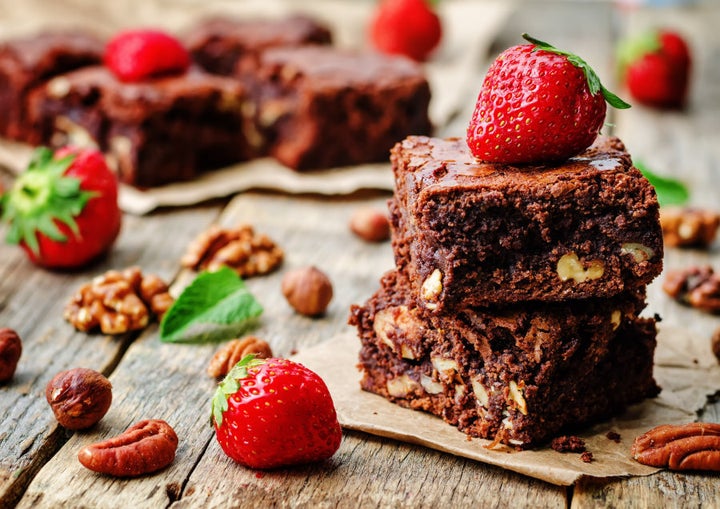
[
  {"x": 460, "y": 57},
  {"x": 685, "y": 368}
]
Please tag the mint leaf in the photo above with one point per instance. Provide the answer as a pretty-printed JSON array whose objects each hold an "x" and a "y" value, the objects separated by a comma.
[
  {"x": 214, "y": 307},
  {"x": 669, "y": 191}
]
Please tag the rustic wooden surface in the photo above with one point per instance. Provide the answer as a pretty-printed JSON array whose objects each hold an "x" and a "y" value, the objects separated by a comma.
[{"x": 38, "y": 465}]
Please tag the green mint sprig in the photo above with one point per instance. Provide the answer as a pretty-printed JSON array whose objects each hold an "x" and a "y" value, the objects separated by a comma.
[
  {"x": 669, "y": 190},
  {"x": 214, "y": 307}
]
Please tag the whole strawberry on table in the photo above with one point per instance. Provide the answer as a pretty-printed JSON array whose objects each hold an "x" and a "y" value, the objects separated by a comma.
[
  {"x": 537, "y": 104},
  {"x": 655, "y": 66},
  {"x": 63, "y": 209},
  {"x": 270, "y": 413}
]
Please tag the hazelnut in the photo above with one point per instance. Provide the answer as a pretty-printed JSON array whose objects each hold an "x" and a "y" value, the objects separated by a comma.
[
  {"x": 715, "y": 344},
  {"x": 370, "y": 224},
  {"x": 308, "y": 290},
  {"x": 10, "y": 350},
  {"x": 79, "y": 397}
]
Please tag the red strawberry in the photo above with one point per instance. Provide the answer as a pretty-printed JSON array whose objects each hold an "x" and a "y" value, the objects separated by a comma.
[
  {"x": 406, "y": 27},
  {"x": 136, "y": 55},
  {"x": 655, "y": 66},
  {"x": 537, "y": 104},
  {"x": 63, "y": 209},
  {"x": 269, "y": 413}
]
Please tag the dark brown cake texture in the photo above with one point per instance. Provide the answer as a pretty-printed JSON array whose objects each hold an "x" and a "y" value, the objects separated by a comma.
[
  {"x": 520, "y": 375},
  {"x": 321, "y": 107},
  {"x": 474, "y": 234},
  {"x": 29, "y": 61},
  {"x": 218, "y": 43},
  {"x": 158, "y": 131}
]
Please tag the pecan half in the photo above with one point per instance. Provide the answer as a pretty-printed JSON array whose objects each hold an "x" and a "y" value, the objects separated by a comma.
[
  {"x": 693, "y": 446},
  {"x": 144, "y": 447},
  {"x": 240, "y": 248},
  {"x": 231, "y": 353}
]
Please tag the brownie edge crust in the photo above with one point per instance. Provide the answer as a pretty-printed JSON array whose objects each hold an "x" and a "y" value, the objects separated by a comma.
[{"x": 469, "y": 233}]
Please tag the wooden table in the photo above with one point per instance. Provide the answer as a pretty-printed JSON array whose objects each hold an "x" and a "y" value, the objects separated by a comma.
[{"x": 38, "y": 465}]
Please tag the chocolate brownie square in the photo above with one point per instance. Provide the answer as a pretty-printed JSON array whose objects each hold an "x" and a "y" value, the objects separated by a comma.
[
  {"x": 321, "y": 107},
  {"x": 158, "y": 131},
  {"x": 520, "y": 374},
  {"x": 26, "y": 62},
  {"x": 475, "y": 234},
  {"x": 218, "y": 43}
]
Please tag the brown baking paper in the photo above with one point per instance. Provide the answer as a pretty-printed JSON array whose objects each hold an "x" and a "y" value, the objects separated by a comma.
[
  {"x": 451, "y": 73},
  {"x": 686, "y": 372}
]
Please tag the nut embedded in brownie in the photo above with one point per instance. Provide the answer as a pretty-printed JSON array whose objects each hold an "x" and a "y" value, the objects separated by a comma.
[{"x": 469, "y": 233}]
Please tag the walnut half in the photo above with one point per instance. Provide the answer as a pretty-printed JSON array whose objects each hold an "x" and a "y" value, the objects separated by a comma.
[
  {"x": 118, "y": 301},
  {"x": 240, "y": 248}
]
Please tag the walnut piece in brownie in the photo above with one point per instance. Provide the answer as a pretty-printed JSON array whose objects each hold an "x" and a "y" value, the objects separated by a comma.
[
  {"x": 29, "y": 61},
  {"x": 469, "y": 233}
]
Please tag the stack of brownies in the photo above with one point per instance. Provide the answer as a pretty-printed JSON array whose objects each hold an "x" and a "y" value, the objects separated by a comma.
[{"x": 513, "y": 310}]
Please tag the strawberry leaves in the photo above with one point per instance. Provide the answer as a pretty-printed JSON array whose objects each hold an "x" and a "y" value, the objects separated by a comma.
[
  {"x": 594, "y": 84},
  {"x": 41, "y": 196},
  {"x": 215, "y": 306},
  {"x": 230, "y": 385}
]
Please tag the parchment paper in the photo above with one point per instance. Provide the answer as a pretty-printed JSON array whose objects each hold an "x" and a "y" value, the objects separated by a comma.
[
  {"x": 451, "y": 72},
  {"x": 684, "y": 368}
]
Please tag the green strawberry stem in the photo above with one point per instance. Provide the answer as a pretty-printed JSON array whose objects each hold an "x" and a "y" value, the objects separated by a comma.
[
  {"x": 230, "y": 385},
  {"x": 593, "y": 80},
  {"x": 40, "y": 196}
]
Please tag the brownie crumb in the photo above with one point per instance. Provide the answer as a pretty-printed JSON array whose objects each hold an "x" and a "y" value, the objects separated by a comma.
[
  {"x": 587, "y": 457},
  {"x": 568, "y": 443},
  {"x": 615, "y": 437}
]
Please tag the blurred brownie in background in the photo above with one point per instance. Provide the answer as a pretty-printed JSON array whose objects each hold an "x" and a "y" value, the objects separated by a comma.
[
  {"x": 217, "y": 43},
  {"x": 29, "y": 61}
]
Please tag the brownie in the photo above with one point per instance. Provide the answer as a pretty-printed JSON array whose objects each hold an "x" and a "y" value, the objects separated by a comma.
[
  {"x": 157, "y": 131},
  {"x": 321, "y": 107},
  {"x": 28, "y": 61},
  {"x": 520, "y": 375},
  {"x": 218, "y": 43},
  {"x": 474, "y": 234}
]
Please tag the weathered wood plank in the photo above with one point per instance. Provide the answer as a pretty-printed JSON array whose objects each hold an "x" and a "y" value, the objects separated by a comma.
[{"x": 32, "y": 301}]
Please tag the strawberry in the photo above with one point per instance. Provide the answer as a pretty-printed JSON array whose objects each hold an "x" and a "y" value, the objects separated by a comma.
[
  {"x": 269, "y": 413},
  {"x": 537, "y": 104},
  {"x": 135, "y": 55},
  {"x": 655, "y": 67},
  {"x": 406, "y": 27},
  {"x": 63, "y": 210}
]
